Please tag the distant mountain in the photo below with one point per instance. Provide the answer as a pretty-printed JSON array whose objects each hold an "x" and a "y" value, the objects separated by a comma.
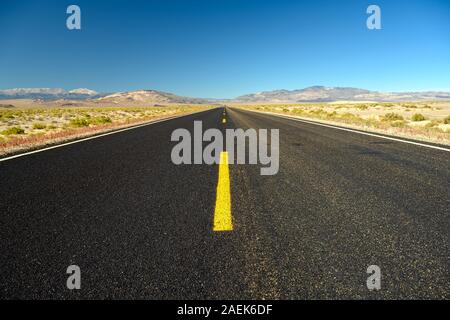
[
  {"x": 48, "y": 94},
  {"x": 84, "y": 91},
  {"x": 149, "y": 97},
  {"x": 152, "y": 97},
  {"x": 139, "y": 97},
  {"x": 329, "y": 94}
]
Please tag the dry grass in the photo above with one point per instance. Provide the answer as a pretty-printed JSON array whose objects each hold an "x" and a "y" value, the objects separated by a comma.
[
  {"x": 27, "y": 128},
  {"x": 427, "y": 121}
]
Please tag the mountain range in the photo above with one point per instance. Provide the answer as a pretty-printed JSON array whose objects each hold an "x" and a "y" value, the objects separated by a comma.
[
  {"x": 141, "y": 97},
  {"x": 49, "y": 94},
  {"x": 149, "y": 96},
  {"x": 330, "y": 94}
]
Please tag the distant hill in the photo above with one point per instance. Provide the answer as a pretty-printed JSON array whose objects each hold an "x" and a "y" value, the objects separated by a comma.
[
  {"x": 48, "y": 94},
  {"x": 154, "y": 97},
  {"x": 149, "y": 97},
  {"x": 329, "y": 94},
  {"x": 139, "y": 97}
]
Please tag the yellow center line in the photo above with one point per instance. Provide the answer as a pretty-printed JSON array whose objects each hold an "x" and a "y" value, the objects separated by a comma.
[{"x": 222, "y": 212}]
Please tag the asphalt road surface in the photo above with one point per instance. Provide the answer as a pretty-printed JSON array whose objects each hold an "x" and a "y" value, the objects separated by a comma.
[{"x": 139, "y": 226}]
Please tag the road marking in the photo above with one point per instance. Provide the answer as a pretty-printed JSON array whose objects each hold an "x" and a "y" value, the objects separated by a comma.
[
  {"x": 98, "y": 136},
  {"x": 354, "y": 131},
  {"x": 222, "y": 212},
  {"x": 224, "y": 120}
]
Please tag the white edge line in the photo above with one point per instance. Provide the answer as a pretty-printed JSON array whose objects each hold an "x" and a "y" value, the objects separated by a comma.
[
  {"x": 351, "y": 130},
  {"x": 98, "y": 136}
]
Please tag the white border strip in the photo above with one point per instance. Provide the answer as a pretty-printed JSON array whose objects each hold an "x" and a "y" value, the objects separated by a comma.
[
  {"x": 98, "y": 136},
  {"x": 350, "y": 130}
]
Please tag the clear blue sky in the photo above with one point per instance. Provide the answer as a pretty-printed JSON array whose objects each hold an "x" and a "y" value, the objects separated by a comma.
[{"x": 225, "y": 48}]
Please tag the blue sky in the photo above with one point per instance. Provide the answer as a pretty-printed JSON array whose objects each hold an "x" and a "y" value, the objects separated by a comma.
[{"x": 225, "y": 48}]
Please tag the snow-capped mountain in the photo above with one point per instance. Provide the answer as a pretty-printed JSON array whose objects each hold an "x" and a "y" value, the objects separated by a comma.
[
  {"x": 48, "y": 93},
  {"x": 149, "y": 97},
  {"x": 84, "y": 91},
  {"x": 328, "y": 94}
]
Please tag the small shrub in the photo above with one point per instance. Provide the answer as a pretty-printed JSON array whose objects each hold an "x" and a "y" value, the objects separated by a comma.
[
  {"x": 39, "y": 126},
  {"x": 332, "y": 114},
  {"x": 447, "y": 120},
  {"x": 371, "y": 122},
  {"x": 13, "y": 130},
  {"x": 79, "y": 122},
  {"x": 318, "y": 113},
  {"x": 100, "y": 120},
  {"x": 398, "y": 124},
  {"x": 348, "y": 115},
  {"x": 431, "y": 124},
  {"x": 418, "y": 117},
  {"x": 392, "y": 116}
]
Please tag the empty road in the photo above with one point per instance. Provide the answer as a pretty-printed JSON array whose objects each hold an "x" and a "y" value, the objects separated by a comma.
[{"x": 140, "y": 226}]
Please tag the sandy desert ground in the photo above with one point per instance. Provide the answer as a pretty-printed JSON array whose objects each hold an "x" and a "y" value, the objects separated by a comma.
[
  {"x": 426, "y": 121},
  {"x": 25, "y": 125},
  {"x": 28, "y": 124}
]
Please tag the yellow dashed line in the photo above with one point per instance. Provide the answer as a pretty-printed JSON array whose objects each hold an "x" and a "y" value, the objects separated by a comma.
[{"x": 222, "y": 212}]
